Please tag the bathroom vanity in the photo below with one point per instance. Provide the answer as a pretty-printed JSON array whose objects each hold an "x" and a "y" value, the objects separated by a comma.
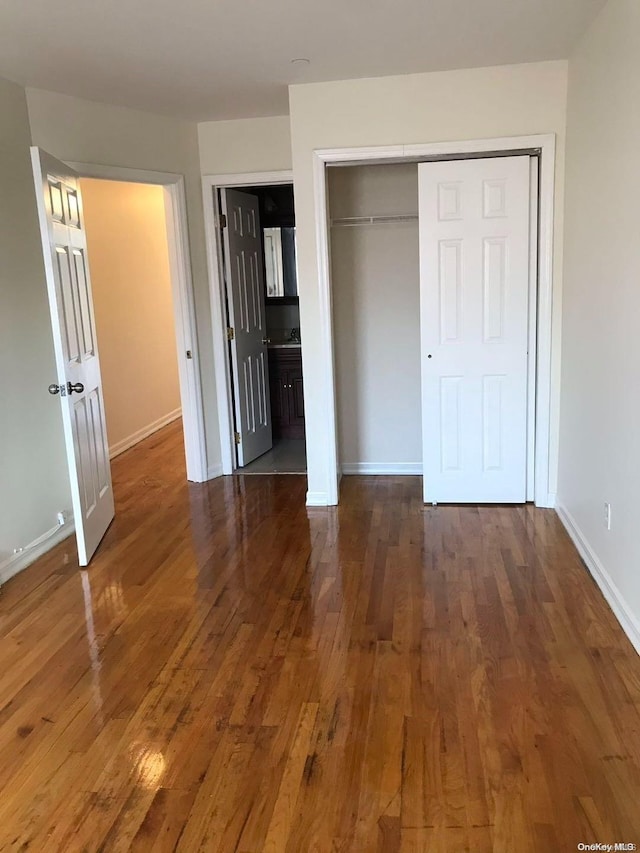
[{"x": 286, "y": 390}]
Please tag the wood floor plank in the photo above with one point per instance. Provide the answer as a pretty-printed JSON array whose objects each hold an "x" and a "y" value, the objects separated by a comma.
[{"x": 236, "y": 672}]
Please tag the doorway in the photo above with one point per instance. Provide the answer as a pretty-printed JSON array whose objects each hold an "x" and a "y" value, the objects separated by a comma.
[
  {"x": 257, "y": 240},
  {"x": 183, "y": 303},
  {"x": 79, "y": 384},
  {"x": 128, "y": 255}
]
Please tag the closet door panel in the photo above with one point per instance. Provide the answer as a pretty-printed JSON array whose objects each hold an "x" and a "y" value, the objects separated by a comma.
[{"x": 474, "y": 289}]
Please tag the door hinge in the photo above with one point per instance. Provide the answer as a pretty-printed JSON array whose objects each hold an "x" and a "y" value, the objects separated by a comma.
[
  {"x": 237, "y": 438},
  {"x": 223, "y": 220},
  {"x": 189, "y": 354},
  {"x": 231, "y": 333}
]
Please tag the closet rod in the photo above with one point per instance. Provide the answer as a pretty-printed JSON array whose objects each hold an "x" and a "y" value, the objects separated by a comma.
[{"x": 353, "y": 221}]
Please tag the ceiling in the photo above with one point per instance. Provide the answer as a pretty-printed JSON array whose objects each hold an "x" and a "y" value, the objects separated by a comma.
[{"x": 213, "y": 59}]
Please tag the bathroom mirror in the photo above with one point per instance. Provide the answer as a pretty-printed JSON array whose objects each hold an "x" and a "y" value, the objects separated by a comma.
[{"x": 280, "y": 263}]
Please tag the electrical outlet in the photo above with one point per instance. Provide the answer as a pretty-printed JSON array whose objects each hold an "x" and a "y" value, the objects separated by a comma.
[
  {"x": 607, "y": 515},
  {"x": 62, "y": 517}
]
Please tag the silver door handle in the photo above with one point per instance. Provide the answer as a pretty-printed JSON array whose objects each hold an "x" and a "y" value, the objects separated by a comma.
[{"x": 63, "y": 390}]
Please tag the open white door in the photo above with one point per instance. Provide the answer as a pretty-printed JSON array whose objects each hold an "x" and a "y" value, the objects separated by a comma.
[
  {"x": 246, "y": 299},
  {"x": 74, "y": 337},
  {"x": 474, "y": 286}
]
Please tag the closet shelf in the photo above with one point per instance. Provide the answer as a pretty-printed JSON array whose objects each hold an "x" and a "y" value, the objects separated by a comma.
[{"x": 381, "y": 219}]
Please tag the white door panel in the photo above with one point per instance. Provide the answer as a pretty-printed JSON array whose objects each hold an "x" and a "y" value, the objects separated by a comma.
[
  {"x": 247, "y": 317},
  {"x": 69, "y": 288},
  {"x": 474, "y": 283}
]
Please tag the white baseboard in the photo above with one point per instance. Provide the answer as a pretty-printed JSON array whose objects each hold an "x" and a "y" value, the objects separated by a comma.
[
  {"x": 384, "y": 468},
  {"x": 17, "y": 562},
  {"x": 120, "y": 446},
  {"x": 612, "y": 594},
  {"x": 317, "y": 499},
  {"x": 214, "y": 471}
]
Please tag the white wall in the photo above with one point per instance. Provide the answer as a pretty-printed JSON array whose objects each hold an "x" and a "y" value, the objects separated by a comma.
[
  {"x": 245, "y": 145},
  {"x": 376, "y": 310},
  {"x": 600, "y": 413},
  {"x": 33, "y": 475},
  {"x": 417, "y": 108},
  {"x": 133, "y": 307},
  {"x": 73, "y": 129}
]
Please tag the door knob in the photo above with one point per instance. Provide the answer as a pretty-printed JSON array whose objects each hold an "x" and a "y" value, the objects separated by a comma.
[
  {"x": 266, "y": 340},
  {"x": 63, "y": 390}
]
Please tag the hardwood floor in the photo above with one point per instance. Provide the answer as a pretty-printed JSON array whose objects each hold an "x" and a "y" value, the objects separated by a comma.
[{"x": 236, "y": 672}]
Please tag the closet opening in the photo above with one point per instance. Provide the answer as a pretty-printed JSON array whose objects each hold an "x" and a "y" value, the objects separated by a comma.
[
  {"x": 375, "y": 282},
  {"x": 434, "y": 295}
]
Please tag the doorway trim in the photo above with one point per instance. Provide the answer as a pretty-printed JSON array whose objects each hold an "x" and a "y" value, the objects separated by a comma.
[
  {"x": 222, "y": 367},
  {"x": 183, "y": 303},
  {"x": 544, "y": 145}
]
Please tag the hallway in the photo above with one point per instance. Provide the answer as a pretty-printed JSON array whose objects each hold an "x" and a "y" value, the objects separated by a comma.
[{"x": 235, "y": 671}]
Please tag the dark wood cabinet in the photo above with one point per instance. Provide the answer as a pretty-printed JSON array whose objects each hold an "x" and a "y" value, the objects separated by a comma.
[{"x": 287, "y": 396}]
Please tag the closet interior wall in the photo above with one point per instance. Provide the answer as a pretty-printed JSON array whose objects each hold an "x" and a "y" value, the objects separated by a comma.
[{"x": 376, "y": 302}]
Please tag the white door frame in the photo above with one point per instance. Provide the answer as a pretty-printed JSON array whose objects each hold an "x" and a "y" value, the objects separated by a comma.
[
  {"x": 210, "y": 186},
  {"x": 183, "y": 302},
  {"x": 542, "y": 144}
]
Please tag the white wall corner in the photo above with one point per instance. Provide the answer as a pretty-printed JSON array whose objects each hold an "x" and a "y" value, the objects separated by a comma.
[{"x": 621, "y": 610}]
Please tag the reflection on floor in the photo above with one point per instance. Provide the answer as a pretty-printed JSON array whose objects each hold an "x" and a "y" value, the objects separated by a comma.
[{"x": 287, "y": 456}]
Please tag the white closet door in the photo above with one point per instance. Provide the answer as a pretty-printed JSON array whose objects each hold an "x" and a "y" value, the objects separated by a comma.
[{"x": 474, "y": 281}]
